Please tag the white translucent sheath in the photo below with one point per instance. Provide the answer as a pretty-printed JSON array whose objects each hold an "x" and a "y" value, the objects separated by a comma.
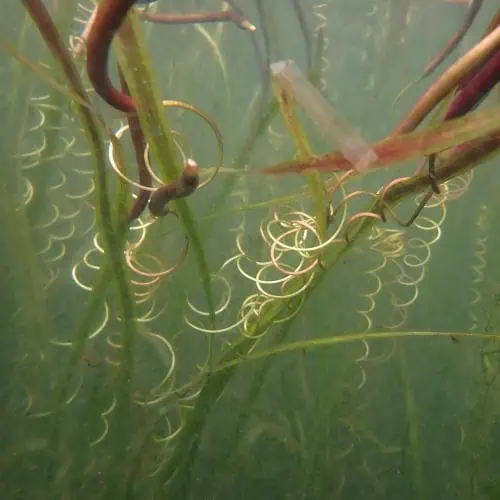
[{"x": 288, "y": 77}]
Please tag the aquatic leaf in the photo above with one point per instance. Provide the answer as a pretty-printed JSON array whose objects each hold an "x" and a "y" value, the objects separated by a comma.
[
  {"x": 406, "y": 147},
  {"x": 217, "y": 55},
  {"x": 345, "y": 339},
  {"x": 44, "y": 75},
  {"x": 286, "y": 91},
  {"x": 340, "y": 133},
  {"x": 136, "y": 66}
]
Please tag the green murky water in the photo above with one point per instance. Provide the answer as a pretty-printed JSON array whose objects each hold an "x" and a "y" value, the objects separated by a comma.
[{"x": 238, "y": 347}]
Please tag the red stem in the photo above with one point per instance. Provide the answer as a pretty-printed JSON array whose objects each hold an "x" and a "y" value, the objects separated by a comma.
[
  {"x": 453, "y": 42},
  {"x": 478, "y": 87},
  {"x": 200, "y": 17},
  {"x": 109, "y": 17},
  {"x": 139, "y": 143}
]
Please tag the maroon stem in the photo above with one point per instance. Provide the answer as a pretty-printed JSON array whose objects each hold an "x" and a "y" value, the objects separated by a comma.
[
  {"x": 139, "y": 143},
  {"x": 200, "y": 17},
  {"x": 453, "y": 42},
  {"x": 494, "y": 23},
  {"x": 175, "y": 190},
  {"x": 478, "y": 87},
  {"x": 109, "y": 17}
]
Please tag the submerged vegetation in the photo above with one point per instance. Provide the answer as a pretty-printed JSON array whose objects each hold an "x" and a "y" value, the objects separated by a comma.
[{"x": 182, "y": 319}]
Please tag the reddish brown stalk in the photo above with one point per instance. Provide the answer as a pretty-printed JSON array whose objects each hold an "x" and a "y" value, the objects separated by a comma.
[
  {"x": 453, "y": 42},
  {"x": 471, "y": 92},
  {"x": 391, "y": 150},
  {"x": 202, "y": 17},
  {"x": 477, "y": 88},
  {"x": 494, "y": 23},
  {"x": 139, "y": 143},
  {"x": 460, "y": 161},
  {"x": 108, "y": 19},
  {"x": 452, "y": 77},
  {"x": 174, "y": 190}
]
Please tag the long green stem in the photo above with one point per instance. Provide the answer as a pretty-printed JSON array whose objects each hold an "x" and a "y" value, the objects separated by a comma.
[
  {"x": 136, "y": 66},
  {"x": 113, "y": 243}
]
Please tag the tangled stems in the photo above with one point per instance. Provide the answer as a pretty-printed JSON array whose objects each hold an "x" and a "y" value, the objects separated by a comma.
[
  {"x": 175, "y": 190},
  {"x": 470, "y": 95},
  {"x": 215, "y": 379},
  {"x": 49, "y": 32},
  {"x": 112, "y": 238},
  {"x": 108, "y": 19},
  {"x": 134, "y": 62},
  {"x": 459, "y": 162},
  {"x": 452, "y": 77},
  {"x": 404, "y": 147},
  {"x": 139, "y": 143},
  {"x": 462, "y": 160},
  {"x": 477, "y": 88}
]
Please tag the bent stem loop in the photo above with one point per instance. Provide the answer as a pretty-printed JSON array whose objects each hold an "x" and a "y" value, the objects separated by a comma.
[{"x": 107, "y": 21}]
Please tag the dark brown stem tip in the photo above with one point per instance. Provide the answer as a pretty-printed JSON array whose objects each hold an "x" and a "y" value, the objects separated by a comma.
[{"x": 175, "y": 190}]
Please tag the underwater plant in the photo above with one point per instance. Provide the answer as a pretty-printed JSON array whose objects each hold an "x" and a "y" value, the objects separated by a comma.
[{"x": 183, "y": 319}]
